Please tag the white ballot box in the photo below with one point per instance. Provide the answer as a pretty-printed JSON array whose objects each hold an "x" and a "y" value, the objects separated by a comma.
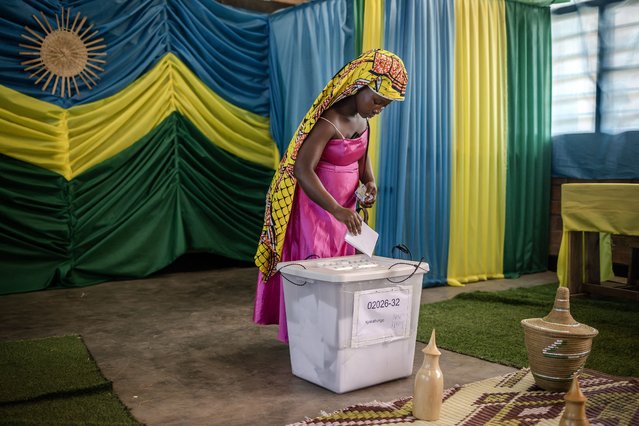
[{"x": 352, "y": 321}]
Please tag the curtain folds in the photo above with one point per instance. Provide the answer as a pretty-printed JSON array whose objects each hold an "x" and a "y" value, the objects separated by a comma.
[
  {"x": 358, "y": 23},
  {"x": 529, "y": 144},
  {"x": 74, "y": 140},
  {"x": 130, "y": 215},
  {"x": 226, "y": 48},
  {"x": 415, "y": 145},
  {"x": 478, "y": 185},
  {"x": 34, "y": 226},
  {"x": 174, "y": 149},
  {"x": 372, "y": 38},
  {"x": 307, "y": 46}
]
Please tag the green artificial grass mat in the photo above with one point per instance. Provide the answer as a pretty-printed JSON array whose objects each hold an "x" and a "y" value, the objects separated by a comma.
[
  {"x": 32, "y": 369},
  {"x": 55, "y": 381},
  {"x": 100, "y": 408},
  {"x": 487, "y": 325}
]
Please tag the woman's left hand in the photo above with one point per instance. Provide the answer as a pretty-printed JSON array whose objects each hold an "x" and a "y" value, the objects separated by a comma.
[{"x": 371, "y": 195}]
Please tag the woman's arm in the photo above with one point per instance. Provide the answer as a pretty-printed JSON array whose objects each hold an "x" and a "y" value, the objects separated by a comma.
[
  {"x": 307, "y": 159},
  {"x": 367, "y": 177}
]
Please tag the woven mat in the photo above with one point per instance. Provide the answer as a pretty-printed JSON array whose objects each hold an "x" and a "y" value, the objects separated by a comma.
[{"x": 512, "y": 399}]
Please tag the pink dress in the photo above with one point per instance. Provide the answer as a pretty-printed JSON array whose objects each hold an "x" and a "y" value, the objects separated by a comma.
[{"x": 312, "y": 231}]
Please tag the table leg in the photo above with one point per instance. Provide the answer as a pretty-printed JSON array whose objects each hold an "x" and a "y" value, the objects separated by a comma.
[
  {"x": 593, "y": 274},
  {"x": 575, "y": 261},
  {"x": 633, "y": 266}
]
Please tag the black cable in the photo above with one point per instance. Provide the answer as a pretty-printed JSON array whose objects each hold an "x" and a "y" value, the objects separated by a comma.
[
  {"x": 411, "y": 274},
  {"x": 291, "y": 264},
  {"x": 403, "y": 249}
]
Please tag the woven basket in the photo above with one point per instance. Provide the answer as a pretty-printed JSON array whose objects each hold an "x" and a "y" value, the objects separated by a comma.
[{"x": 557, "y": 345}]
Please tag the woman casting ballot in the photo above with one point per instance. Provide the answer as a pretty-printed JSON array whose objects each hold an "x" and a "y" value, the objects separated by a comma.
[{"x": 328, "y": 158}]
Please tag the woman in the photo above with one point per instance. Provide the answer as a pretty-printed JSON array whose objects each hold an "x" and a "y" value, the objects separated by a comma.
[{"x": 327, "y": 156}]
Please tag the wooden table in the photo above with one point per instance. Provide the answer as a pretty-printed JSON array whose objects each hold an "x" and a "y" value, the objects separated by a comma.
[{"x": 587, "y": 210}]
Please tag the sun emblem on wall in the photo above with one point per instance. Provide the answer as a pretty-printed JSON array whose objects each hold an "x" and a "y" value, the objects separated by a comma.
[{"x": 63, "y": 55}]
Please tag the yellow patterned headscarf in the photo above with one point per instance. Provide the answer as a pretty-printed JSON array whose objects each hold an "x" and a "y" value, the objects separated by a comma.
[{"x": 385, "y": 74}]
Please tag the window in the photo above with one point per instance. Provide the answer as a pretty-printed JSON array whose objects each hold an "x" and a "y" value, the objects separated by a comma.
[
  {"x": 620, "y": 103},
  {"x": 595, "y": 67}
]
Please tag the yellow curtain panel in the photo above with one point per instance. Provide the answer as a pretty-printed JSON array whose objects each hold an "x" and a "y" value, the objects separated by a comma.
[
  {"x": 72, "y": 141},
  {"x": 478, "y": 186},
  {"x": 372, "y": 38}
]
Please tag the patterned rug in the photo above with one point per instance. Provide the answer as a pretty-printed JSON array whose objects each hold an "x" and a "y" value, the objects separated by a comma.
[{"x": 512, "y": 399}]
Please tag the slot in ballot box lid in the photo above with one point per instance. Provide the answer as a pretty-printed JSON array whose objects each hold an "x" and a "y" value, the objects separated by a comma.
[{"x": 351, "y": 268}]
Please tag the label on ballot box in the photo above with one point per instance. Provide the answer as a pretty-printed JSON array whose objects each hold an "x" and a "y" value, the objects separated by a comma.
[{"x": 381, "y": 315}]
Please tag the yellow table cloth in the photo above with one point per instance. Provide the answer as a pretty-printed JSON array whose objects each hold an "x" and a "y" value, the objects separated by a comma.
[{"x": 609, "y": 208}]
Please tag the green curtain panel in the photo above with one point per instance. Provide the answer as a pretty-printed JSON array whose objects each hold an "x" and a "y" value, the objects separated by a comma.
[
  {"x": 129, "y": 216},
  {"x": 35, "y": 226},
  {"x": 358, "y": 18},
  {"x": 529, "y": 146}
]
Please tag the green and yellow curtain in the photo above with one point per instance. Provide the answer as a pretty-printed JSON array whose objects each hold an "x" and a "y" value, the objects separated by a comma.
[
  {"x": 464, "y": 162},
  {"x": 173, "y": 150},
  {"x": 169, "y": 153}
]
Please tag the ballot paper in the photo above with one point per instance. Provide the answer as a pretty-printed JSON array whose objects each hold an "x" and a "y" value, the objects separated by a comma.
[{"x": 364, "y": 242}]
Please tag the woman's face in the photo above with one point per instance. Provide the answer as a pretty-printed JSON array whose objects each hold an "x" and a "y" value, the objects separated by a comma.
[{"x": 369, "y": 103}]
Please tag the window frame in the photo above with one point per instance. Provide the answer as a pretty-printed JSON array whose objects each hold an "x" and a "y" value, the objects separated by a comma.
[{"x": 602, "y": 51}]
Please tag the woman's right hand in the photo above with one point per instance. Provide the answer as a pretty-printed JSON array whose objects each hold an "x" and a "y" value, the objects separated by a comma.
[{"x": 351, "y": 219}]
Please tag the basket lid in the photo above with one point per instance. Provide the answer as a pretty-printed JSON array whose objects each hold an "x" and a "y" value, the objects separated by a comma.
[{"x": 559, "y": 320}]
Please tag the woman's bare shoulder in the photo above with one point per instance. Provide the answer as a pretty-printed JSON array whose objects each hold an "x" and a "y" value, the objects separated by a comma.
[
  {"x": 331, "y": 115},
  {"x": 347, "y": 125}
]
